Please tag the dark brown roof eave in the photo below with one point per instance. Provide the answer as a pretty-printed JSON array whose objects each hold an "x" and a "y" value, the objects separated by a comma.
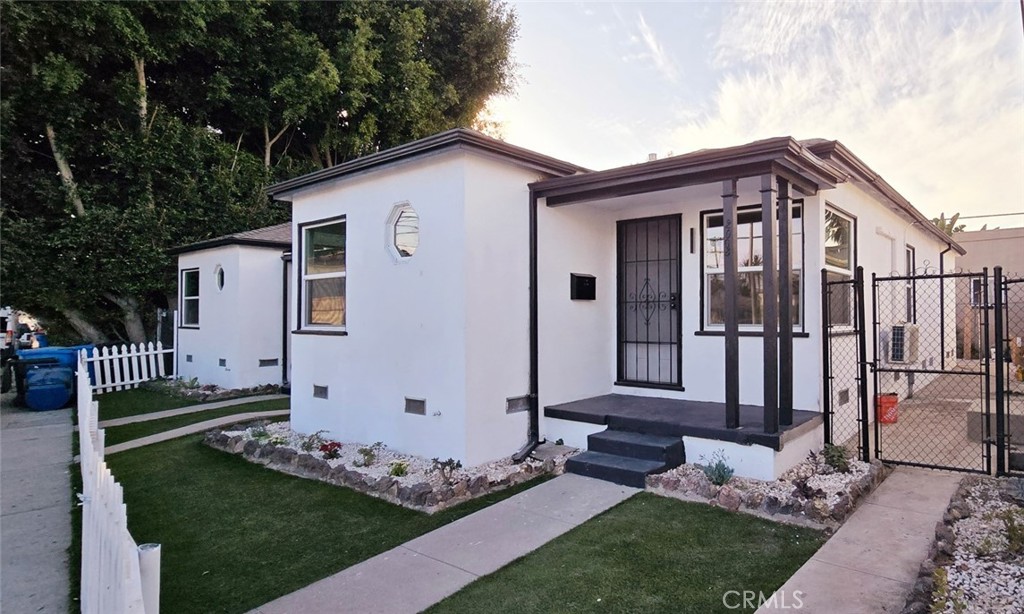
[
  {"x": 783, "y": 154},
  {"x": 861, "y": 171},
  {"x": 451, "y": 139},
  {"x": 224, "y": 241}
]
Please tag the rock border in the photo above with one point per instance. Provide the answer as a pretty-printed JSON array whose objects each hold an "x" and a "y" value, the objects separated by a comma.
[
  {"x": 206, "y": 393},
  {"x": 816, "y": 511},
  {"x": 941, "y": 554},
  {"x": 422, "y": 496}
]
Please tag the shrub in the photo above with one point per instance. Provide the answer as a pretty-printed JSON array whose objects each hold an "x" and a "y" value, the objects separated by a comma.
[
  {"x": 330, "y": 450},
  {"x": 399, "y": 468},
  {"x": 1013, "y": 523},
  {"x": 718, "y": 471},
  {"x": 259, "y": 432},
  {"x": 835, "y": 457},
  {"x": 313, "y": 442},
  {"x": 447, "y": 468},
  {"x": 369, "y": 454}
]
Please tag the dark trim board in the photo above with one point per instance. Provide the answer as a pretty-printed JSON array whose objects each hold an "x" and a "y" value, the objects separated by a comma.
[{"x": 679, "y": 418}]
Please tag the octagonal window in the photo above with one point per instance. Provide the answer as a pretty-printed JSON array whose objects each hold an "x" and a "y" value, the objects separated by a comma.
[{"x": 406, "y": 235}]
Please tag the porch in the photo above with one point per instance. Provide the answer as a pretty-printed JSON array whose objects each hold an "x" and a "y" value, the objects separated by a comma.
[{"x": 683, "y": 418}]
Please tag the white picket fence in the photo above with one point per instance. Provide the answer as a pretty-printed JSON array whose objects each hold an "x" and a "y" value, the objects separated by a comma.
[
  {"x": 127, "y": 366},
  {"x": 117, "y": 575}
]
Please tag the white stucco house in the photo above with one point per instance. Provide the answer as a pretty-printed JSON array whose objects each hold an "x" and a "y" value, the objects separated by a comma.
[
  {"x": 462, "y": 297},
  {"x": 231, "y": 308}
]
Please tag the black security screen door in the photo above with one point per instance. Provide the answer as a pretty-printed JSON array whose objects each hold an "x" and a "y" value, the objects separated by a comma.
[{"x": 648, "y": 302}]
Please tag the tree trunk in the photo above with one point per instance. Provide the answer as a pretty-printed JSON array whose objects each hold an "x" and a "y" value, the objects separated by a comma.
[
  {"x": 133, "y": 324},
  {"x": 140, "y": 77},
  {"x": 268, "y": 143},
  {"x": 86, "y": 329},
  {"x": 66, "y": 176}
]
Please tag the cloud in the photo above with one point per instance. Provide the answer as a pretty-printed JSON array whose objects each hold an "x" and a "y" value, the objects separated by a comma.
[
  {"x": 656, "y": 51},
  {"x": 930, "y": 95}
]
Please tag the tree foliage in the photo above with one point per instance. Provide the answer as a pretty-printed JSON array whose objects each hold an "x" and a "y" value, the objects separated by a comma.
[
  {"x": 129, "y": 128},
  {"x": 948, "y": 226}
]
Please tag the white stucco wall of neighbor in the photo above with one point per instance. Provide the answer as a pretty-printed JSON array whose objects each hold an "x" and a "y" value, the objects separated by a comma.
[
  {"x": 449, "y": 325},
  {"x": 239, "y": 324}
]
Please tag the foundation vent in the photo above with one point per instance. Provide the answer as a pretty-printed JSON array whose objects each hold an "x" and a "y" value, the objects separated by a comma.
[
  {"x": 416, "y": 406},
  {"x": 514, "y": 405},
  {"x": 319, "y": 392},
  {"x": 268, "y": 362}
]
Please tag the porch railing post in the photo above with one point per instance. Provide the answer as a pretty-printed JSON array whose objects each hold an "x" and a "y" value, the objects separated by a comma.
[
  {"x": 997, "y": 289},
  {"x": 785, "y": 306},
  {"x": 732, "y": 329},
  {"x": 770, "y": 315}
]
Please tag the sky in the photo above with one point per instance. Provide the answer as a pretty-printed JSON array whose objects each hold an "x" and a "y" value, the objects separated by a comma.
[{"x": 930, "y": 95}]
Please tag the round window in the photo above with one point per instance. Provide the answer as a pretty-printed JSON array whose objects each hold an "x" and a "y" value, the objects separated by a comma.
[
  {"x": 407, "y": 232},
  {"x": 219, "y": 276}
]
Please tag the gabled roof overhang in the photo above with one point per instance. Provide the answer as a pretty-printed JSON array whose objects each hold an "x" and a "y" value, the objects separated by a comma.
[{"x": 782, "y": 156}]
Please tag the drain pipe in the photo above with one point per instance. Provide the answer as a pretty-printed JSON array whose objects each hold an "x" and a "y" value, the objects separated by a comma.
[
  {"x": 942, "y": 305},
  {"x": 286, "y": 261},
  {"x": 533, "y": 438}
]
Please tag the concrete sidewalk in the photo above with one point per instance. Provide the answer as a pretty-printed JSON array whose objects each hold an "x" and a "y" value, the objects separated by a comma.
[
  {"x": 170, "y": 413},
  {"x": 870, "y": 564},
  {"x": 427, "y": 569},
  {"x": 198, "y": 427},
  {"x": 35, "y": 521}
]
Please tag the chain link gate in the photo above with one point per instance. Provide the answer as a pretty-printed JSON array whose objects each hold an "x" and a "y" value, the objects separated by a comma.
[
  {"x": 932, "y": 370},
  {"x": 1009, "y": 376},
  {"x": 845, "y": 410}
]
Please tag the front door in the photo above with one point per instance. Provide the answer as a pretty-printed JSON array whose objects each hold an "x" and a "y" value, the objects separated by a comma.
[{"x": 649, "y": 352}]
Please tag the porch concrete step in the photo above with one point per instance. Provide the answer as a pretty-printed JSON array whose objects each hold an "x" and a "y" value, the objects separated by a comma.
[
  {"x": 618, "y": 469},
  {"x": 668, "y": 450}
]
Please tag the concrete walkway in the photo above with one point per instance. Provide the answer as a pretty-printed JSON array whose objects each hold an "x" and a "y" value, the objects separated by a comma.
[
  {"x": 170, "y": 413},
  {"x": 35, "y": 521},
  {"x": 189, "y": 429},
  {"x": 427, "y": 569},
  {"x": 871, "y": 563}
]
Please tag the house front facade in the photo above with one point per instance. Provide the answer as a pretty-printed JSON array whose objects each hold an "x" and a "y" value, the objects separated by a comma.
[{"x": 460, "y": 297}]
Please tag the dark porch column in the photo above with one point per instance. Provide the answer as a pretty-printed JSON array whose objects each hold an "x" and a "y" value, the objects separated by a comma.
[
  {"x": 732, "y": 327},
  {"x": 785, "y": 306},
  {"x": 769, "y": 250}
]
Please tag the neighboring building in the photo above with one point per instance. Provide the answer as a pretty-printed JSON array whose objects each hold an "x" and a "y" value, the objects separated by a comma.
[
  {"x": 231, "y": 320},
  {"x": 985, "y": 250},
  {"x": 462, "y": 297}
]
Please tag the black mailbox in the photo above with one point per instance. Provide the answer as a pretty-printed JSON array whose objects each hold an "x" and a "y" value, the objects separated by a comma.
[{"x": 582, "y": 287}]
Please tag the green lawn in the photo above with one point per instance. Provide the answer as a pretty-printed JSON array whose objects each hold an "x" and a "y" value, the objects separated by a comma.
[
  {"x": 648, "y": 554},
  {"x": 236, "y": 535},
  {"x": 118, "y": 434},
  {"x": 137, "y": 401}
]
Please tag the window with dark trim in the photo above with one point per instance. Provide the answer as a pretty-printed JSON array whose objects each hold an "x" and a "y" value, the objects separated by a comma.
[
  {"x": 911, "y": 291},
  {"x": 840, "y": 247},
  {"x": 190, "y": 297},
  {"x": 322, "y": 292},
  {"x": 749, "y": 251}
]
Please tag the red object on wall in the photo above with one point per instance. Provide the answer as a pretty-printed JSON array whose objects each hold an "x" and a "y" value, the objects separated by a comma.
[{"x": 886, "y": 407}]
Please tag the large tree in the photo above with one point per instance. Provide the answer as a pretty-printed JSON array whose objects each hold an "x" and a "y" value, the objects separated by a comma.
[{"x": 128, "y": 128}]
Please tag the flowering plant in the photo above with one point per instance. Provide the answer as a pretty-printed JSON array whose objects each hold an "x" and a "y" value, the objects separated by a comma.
[{"x": 331, "y": 450}]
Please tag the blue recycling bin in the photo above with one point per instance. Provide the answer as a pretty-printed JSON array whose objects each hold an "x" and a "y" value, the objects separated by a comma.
[
  {"x": 48, "y": 387},
  {"x": 65, "y": 356}
]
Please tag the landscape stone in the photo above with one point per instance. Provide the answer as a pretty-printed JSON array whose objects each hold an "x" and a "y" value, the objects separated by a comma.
[
  {"x": 728, "y": 498},
  {"x": 283, "y": 456},
  {"x": 250, "y": 447}
]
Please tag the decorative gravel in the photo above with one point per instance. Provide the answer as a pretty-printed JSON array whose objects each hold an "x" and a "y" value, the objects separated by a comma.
[
  {"x": 811, "y": 490},
  {"x": 987, "y": 570},
  {"x": 421, "y": 485}
]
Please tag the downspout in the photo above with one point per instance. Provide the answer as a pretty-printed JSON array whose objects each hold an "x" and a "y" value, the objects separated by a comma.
[
  {"x": 942, "y": 305},
  {"x": 533, "y": 437},
  {"x": 286, "y": 259}
]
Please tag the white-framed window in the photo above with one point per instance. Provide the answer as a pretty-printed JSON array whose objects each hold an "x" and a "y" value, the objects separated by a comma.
[
  {"x": 190, "y": 297},
  {"x": 403, "y": 231},
  {"x": 840, "y": 241},
  {"x": 749, "y": 260},
  {"x": 322, "y": 301}
]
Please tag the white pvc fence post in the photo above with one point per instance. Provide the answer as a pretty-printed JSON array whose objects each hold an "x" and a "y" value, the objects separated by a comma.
[{"x": 149, "y": 569}]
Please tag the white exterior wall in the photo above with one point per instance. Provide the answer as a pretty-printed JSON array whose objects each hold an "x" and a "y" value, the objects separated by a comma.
[
  {"x": 240, "y": 324},
  {"x": 497, "y": 281},
  {"x": 406, "y": 320}
]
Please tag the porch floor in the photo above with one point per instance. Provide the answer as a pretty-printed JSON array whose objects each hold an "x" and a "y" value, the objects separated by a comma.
[{"x": 676, "y": 418}]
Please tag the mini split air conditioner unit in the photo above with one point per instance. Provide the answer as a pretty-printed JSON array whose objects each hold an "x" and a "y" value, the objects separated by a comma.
[{"x": 904, "y": 342}]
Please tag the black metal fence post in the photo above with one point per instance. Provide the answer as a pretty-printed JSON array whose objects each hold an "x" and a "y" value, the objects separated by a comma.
[
  {"x": 862, "y": 364},
  {"x": 999, "y": 313},
  {"x": 826, "y": 359},
  {"x": 874, "y": 360}
]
